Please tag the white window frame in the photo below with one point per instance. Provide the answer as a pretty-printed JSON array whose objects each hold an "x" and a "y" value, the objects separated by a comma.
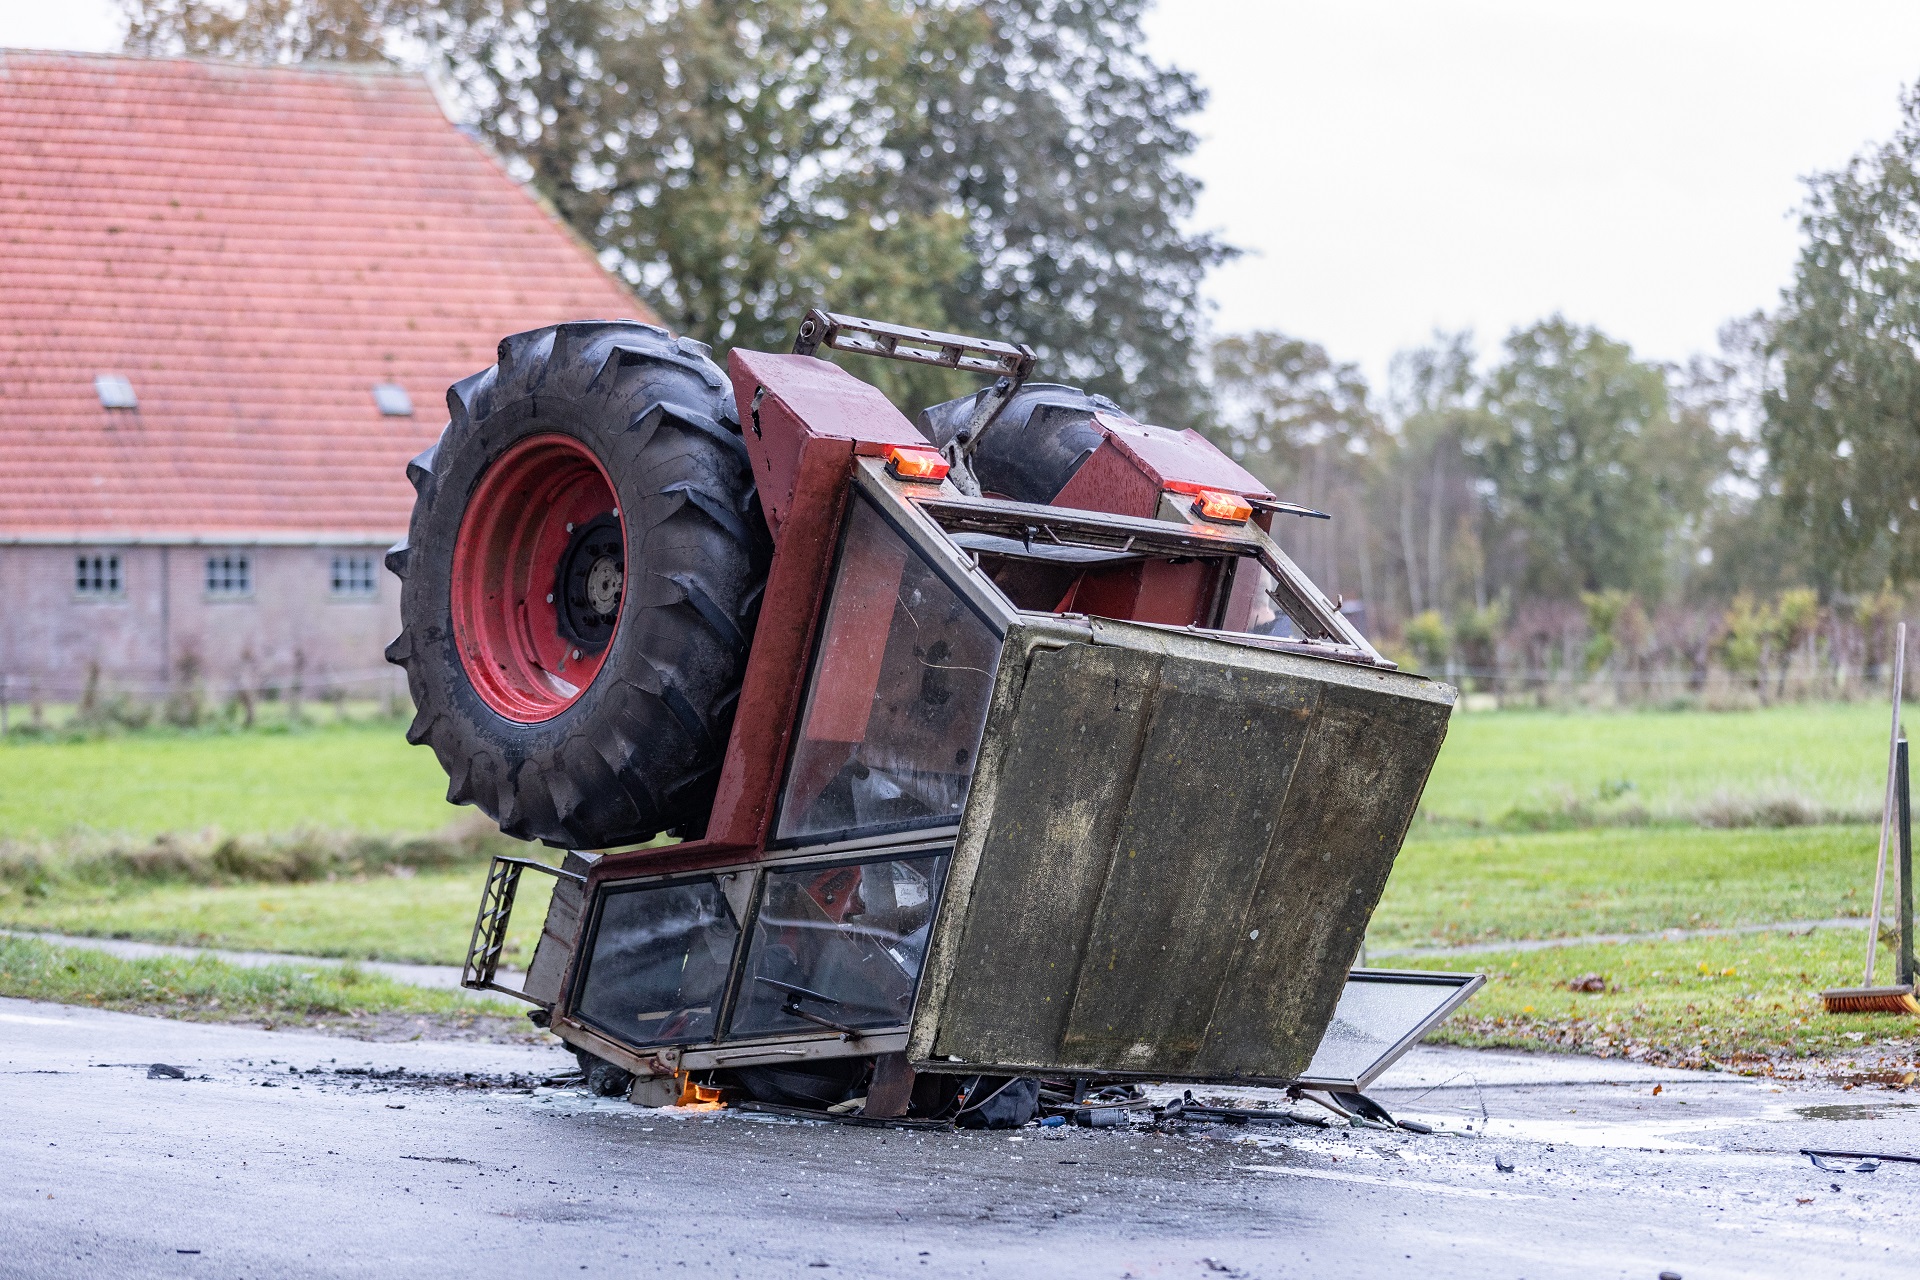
[
  {"x": 234, "y": 580},
  {"x": 344, "y": 581},
  {"x": 99, "y": 576}
]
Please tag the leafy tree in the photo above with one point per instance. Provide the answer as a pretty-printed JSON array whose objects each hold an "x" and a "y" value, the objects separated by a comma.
[
  {"x": 1301, "y": 422},
  {"x": 1427, "y": 637},
  {"x": 1605, "y": 609},
  {"x": 1061, "y": 142},
  {"x": 267, "y": 30},
  {"x": 1427, "y": 494},
  {"x": 1009, "y": 167},
  {"x": 1590, "y": 473},
  {"x": 1280, "y": 400},
  {"x": 1476, "y": 638},
  {"x": 1746, "y": 638},
  {"x": 1796, "y": 617},
  {"x": 1842, "y": 417},
  {"x": 1876, "y": 614}
]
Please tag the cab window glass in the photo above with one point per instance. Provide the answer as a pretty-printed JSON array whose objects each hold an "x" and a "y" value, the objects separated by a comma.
[
  {"x": 839, "y": 947},
  {"x": 1266, "y": 616},
  {"x": 901, "y": 678},
  {"x": 658, "y": 969}
]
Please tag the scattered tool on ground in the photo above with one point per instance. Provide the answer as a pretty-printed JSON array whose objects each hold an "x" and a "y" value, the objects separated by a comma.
[{"x": 1000, "y": 746}]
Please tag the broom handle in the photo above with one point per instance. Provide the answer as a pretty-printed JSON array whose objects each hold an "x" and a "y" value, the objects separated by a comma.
[{"x": 1886, "y": 803}]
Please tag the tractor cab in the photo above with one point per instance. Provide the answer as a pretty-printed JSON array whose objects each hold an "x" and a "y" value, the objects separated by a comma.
[{"x": 1101, "y": 787}]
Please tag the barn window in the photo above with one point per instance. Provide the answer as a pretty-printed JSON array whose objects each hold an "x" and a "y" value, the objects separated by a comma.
[
  {"x": 229, "y": 575},
  {"x": 353, "y": 577},
  {"x": 96, "y": 576}
]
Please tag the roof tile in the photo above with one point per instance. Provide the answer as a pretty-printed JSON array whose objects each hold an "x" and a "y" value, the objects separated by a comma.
[{"x": 254, "y": 248}]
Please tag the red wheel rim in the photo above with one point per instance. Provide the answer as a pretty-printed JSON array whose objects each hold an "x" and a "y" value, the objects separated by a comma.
[{"x": 526, "y": 517}]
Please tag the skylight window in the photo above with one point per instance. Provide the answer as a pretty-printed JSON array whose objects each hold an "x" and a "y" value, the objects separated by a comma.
[
  {"x": 393, "y": 400},
  {"x": 115, "y": 391}
]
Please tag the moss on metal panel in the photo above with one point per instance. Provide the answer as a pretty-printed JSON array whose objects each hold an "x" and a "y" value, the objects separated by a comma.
[
  {"x": 1178, "y": 843},
  {"x": 1354, "y": 793},
  {"x": 1069, "y": 756},
  {"x": 1200, "y": 809}
]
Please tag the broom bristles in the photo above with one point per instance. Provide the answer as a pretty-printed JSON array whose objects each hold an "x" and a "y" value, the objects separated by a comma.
[{"x": 1870, "y": 1000}]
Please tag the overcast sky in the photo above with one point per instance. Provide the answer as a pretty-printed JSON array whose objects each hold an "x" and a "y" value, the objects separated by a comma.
[{"x": 1393, "y": 166}]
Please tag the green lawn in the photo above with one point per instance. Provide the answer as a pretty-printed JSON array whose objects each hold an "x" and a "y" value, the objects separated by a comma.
[
  {"x": 357, "y": 776},
  {"x": 1541, "y": 768},
  {"x": 1473, "y": 888},
  {"x": 343, "y": 997},
  {"x": 425, "y": 918},
  {"x": 1694, "y": 1003},
  {"x": 1478, "y": 868},
  {"x": 1526, "y": 768}
]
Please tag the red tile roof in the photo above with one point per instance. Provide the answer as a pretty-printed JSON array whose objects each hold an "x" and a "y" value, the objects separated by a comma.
[{"x": 254, "y": 248}]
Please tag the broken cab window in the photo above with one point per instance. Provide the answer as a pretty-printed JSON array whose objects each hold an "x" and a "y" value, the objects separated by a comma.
[
  {"x": 1381, "y": 1014},
  {"x": 901, "y": 677},
  {"x": 658, "y": 967},
  {"x": 838, "y": 948},
  {"x": 1048, "y": 560},
  {"x": 1254, "y": 608}
]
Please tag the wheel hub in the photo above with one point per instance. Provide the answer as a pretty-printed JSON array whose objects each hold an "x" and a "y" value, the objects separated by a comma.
[
  {"x": 539, "y": 572},
  {"x": 593, "y": 574}
]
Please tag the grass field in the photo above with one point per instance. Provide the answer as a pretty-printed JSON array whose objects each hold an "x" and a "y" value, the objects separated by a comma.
[
  {"x": 340, "y": 997},
  {"x": 426, "y": 918},
  {"x": 1477, "y": 888},
  {"x": 1701, "y": 1002},
  {"x": 1549, "y": 768},
  {"x": 1509, "y": 768},
  {"x": 357, "y": 776},
  {"x": 1481, "y": 866}
]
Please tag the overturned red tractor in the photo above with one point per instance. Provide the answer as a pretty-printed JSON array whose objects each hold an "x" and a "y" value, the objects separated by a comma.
[{"x": 1000, "y": 746}]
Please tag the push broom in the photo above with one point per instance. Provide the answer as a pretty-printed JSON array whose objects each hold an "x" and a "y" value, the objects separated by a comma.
[{"x": 1896, "y": 813}]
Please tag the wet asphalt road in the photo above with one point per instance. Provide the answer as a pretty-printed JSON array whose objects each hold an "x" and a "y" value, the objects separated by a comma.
[{"x": 278, "y": 1157}]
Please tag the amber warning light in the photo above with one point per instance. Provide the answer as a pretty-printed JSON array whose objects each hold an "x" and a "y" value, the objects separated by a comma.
[
  {"x": 904, "y": 462},
  {"x": 1226, "y": 508}
]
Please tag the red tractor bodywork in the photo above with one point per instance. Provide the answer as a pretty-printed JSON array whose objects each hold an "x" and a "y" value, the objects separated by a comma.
[{"x": 1157, "y": 553}]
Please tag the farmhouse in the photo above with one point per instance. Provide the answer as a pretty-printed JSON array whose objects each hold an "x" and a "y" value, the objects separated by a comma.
[{"x": 231, "y": 301}]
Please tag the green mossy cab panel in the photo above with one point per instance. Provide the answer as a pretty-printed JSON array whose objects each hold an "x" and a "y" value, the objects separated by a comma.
[{"x": 1169, "y": 855}]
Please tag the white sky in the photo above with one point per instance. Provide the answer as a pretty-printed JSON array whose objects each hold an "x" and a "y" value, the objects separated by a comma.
[
  {"x": 1393, "y": 165},
  {"x": 1397, "y": 166}
]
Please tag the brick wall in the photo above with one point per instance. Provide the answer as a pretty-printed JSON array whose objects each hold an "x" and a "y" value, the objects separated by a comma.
[{"x": 289, "y": 615}]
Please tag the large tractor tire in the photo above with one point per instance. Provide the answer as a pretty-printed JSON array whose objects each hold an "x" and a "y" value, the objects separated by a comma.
[
  {"x": 1036, "y": 444},
  {"x": 579, "y": 585}
]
